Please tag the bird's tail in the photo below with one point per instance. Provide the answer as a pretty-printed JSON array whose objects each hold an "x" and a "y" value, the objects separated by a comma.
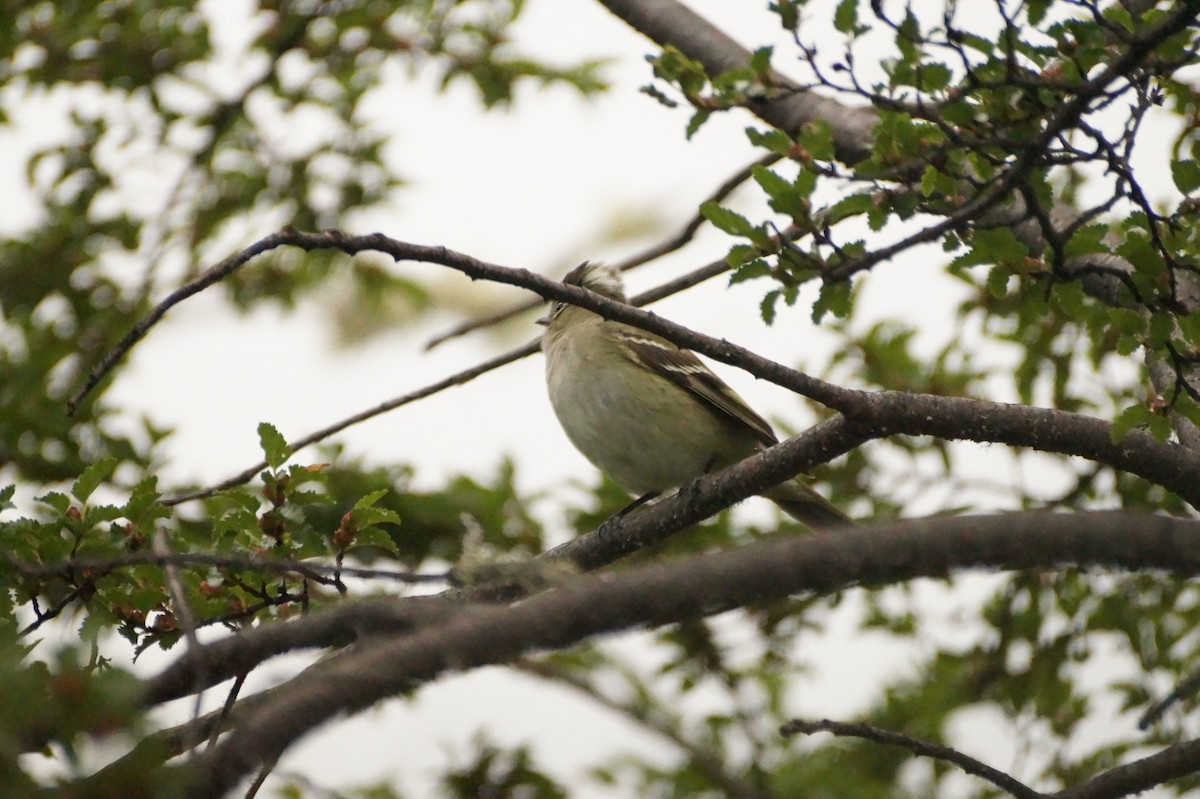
[{"x": 802, "y": 503}]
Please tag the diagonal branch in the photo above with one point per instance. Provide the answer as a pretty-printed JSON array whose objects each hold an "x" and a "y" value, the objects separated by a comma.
[
  {"x": 918, "y": 747},
  {"x": 683, "y": 237},
  {"x": 872, "y": 415}
]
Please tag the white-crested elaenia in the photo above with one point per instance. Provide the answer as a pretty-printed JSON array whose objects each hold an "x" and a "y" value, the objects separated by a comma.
[{"x": 650, "y": 415}]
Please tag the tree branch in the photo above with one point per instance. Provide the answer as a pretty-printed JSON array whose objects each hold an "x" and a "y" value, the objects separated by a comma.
[
  {"x": 875, "y": 414},
  {"x": 688, "y": 588},
  {"x": 918, "y": 747},
  {"x": 683, "y": 237}
]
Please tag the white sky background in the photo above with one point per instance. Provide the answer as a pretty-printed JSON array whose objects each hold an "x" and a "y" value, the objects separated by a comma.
[{"x": 534, "y": 187}]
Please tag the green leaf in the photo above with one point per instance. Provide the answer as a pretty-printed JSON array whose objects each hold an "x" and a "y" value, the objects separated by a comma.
[
  {"x": 1159, "y": 330},
  {"x": 998, "y": 246},
  {"x": 834, "y": 298},
  {"x": 767, "y": 306},
  {"x": 817, "y": 138},
  {"x": 936, "y": 184},
  {"x": 845, "y": 18},
  {"x": 6, "y": 495},
  {"x": 1070, "y": 298},
  {"x": 772, "y": 182},
  {"x": 92, "y": 476},
  {"x": 1186, "y": 174},
  {"x": 274, "y": 446},
  {"x": 789, "y": 13},
  {"x": 731, "y": 222},
  {"x": 699, "y": 118},
  {"x": 1135, "y": 416},
  {"x": 367, "y": 500},
  {"x": 852, "y": 205},
  {"x": 997, "y": 281},
  {"x": 749, "y": 270},
  {"x": 143, "y": 503},
  {"x": 369, "y": 516},
  {"x": 786, "y": 197},
  {"x": 1087, "y": 240},
  {"x": 55, "y": 499},
  {"x": 760, "y": 60},
  {"x": 772, "y": 139}
]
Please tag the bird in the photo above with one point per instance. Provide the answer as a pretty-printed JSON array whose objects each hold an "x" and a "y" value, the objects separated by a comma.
[{"x": 649, "y": 414}]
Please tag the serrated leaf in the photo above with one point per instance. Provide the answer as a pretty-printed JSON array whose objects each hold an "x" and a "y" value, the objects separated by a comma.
[
  {"x": 1070, "y": 298},
  {"x": 1132, "y": 417},
  {"x": 731, "y": 222},
  {"x": 772, "y": 182},
  {"x": 997, "y": 281},
  {"x": 847, "y": 207},
  {"x": 1186, "y": 174},
  {"x": 1188, "y": 407},
  {"x": 750, "y": 270},
  {"x": 56, "y": 500},
  {"x": 998, "y": 246},
  {"x": 1159, "y": 426},
  {"x": 102, "y": 513},
  {"x": 817, "y": 138},
  {"x": 767, "y": 306},
  {"x": 787, "y": 197},
  {"x": 929, "y": 180},
  {"x": 789, "y": 15},
  {"x": 1127, "y": 344},
  {"x": 1189, "y": 328},
  {"x": 1159, "y": 330},
  {"x": 1036, "y": 10},
  {"x": 374, "y": 537},
  {"x": 760, "y": 60},
  {"x": 367, "y": 500},
  {"x": 845, "y": 17},
  {"x": 6, "y": 495},
  {"x": 274, "y": 445},
  {"x": 834, "y": 298},
  {"x": 368, "y": 516},
  {"x": 95, "y": 474},
  {"x": 143, "y": 502},
  {"x": 1087, "y": 240},
  {"x": 773, "y": 139}
]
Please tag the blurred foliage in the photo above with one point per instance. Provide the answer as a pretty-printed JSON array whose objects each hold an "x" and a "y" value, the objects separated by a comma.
[{"x": 155, "y": 98}]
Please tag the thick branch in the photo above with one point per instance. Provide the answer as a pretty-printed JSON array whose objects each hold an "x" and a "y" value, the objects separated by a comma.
[
  {"x": 688, "y": 588},
  {"x": 670, "y": 23}
]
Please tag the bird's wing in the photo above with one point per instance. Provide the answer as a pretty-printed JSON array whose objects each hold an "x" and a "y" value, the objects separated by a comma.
[{"x": 683, "y": 368}]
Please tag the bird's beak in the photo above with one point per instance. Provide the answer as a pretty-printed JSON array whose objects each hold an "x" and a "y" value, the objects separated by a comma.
[{"x": 543, "y": 321}]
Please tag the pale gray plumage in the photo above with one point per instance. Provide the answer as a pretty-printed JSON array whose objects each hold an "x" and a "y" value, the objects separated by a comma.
[{"x": 650, "y": 415}]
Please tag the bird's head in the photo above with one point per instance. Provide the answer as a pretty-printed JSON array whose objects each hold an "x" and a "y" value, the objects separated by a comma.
[{"x": 593, "y": 276}]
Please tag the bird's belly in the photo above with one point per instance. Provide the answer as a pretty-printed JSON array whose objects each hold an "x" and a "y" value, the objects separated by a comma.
[{"x": 645, "y": 441}]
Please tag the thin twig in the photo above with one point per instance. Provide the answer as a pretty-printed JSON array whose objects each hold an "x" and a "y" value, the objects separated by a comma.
[
  {"x": 670, "y": 288},
  {"x": 703, "y": 759},
  {"x": 676, "y": 242},
  {"x": 139, "y": 330},
  {"x": 218, "y": 724},
  {"x": 1174, "y": 762},
  {"x": 1188, "y": 686},
  {"x": 918, "y": 747},
  {"x": 456, "y": 379},
  {"x": 183, "y": 613},
  {"x": 261, "y": 777}
]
